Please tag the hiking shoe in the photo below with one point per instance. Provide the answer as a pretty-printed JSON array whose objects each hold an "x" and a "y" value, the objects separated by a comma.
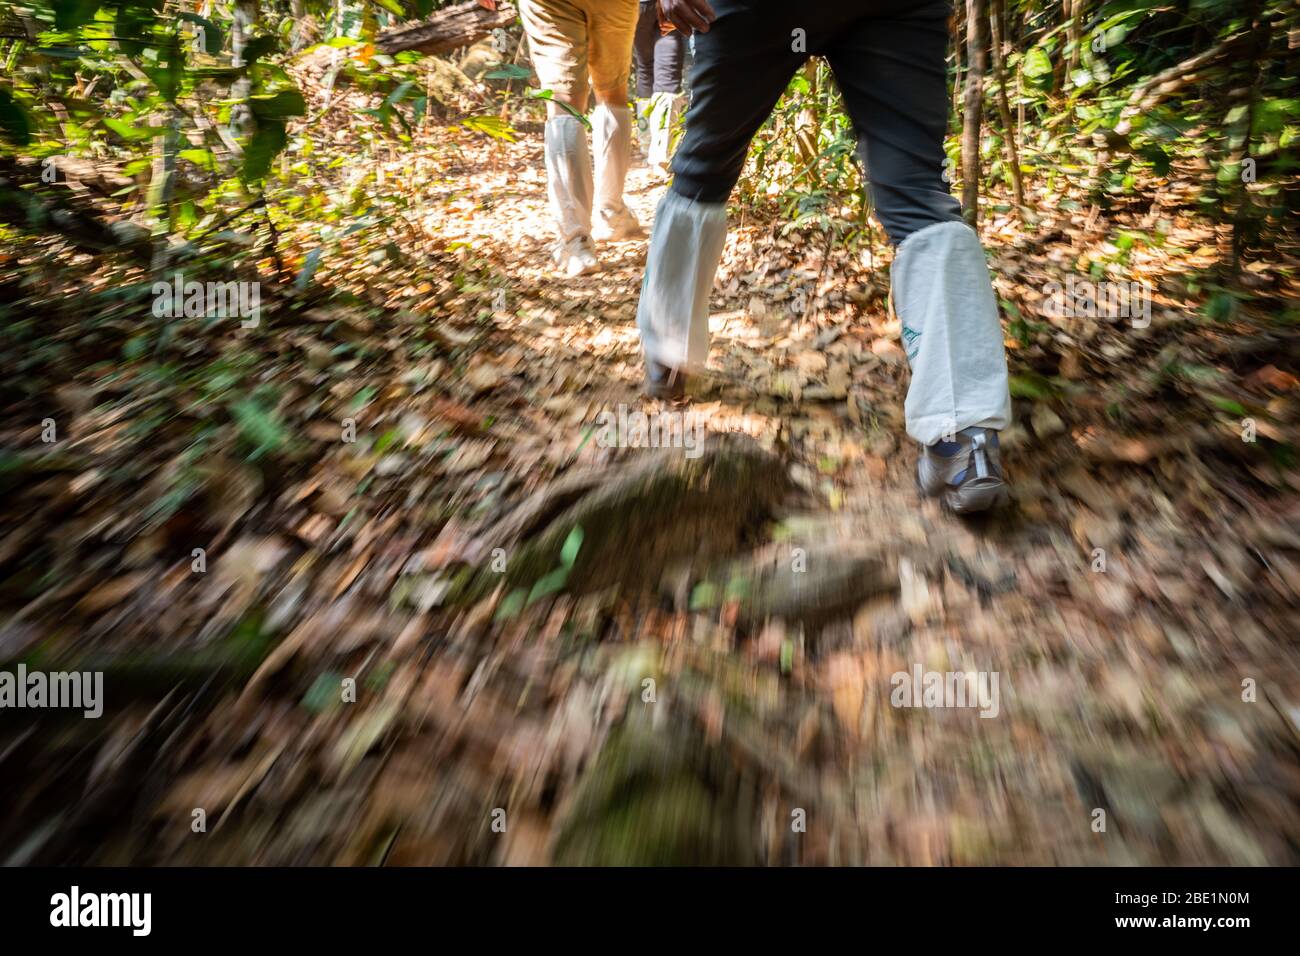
[
  {"x": 966, "y": 473},
  {"x": 664, "y": 382},
  {"x": 616, "y": 224},
  {"x": 576, "y": 257}
]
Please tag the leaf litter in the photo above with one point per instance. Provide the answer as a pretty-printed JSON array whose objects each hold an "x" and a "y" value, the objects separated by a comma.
[{"x": 645, "y": 680}]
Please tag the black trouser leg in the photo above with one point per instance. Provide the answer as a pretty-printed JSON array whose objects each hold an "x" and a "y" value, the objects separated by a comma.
[
  {"x": 658, "y": 57},
  {"x": 643, "y": 49},
  {"x": 888, "y": 59},
  {"x": 890, "y": 68},
  {"x": 741, "y": 68}
]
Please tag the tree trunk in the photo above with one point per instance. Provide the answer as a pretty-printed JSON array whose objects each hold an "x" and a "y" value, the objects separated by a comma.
[
  {"x": 958, "y": 37},
  {"x": 1073, "y": 11},
  {"x": 448, "y": 29},
  {"x": 1259, "y": 37},
  {"x": 162, "y": 179},
  {"x": 245, "y": 19},
  {"x": 1004, "y": 107},
  {"x": 970, "y": 137},
  {"x": 808, "y": 124}
]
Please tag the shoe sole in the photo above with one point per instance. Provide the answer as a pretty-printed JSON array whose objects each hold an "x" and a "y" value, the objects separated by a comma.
[
  {"x": 976, "y": 496},
  {"x": 984, "y": 494}
]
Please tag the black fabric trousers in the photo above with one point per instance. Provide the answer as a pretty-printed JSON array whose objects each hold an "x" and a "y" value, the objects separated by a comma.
[
  {"x": 658, "y": 58},
  {"x": 888, "y": 59}
]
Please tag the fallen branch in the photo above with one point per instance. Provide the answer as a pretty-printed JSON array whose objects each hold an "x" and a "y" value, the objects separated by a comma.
[
  {"x": 448, "y": 29},
  {"x": 1162, "y": 86}
]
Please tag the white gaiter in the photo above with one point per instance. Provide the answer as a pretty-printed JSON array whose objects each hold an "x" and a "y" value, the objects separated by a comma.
[
  {"x": 568, "y": 176},
  {"x": 951, "y": 333},
  {"x": 611, "y": 135},
  {"x": 685, "y": 248}
]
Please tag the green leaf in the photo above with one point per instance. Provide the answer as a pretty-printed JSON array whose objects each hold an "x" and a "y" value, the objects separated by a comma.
[
  {"x": 199, "y": 157},
  {"x": 704, "y": 596},
  {"x": 511, "y": 605},
  {"x": 278, "y": 106},
  {"x": 310, "y": 262},
  {"x": 1031, "y": 386},
  {"x": 738, "y": 589},
  {"x": 493, "y": 126},
  {"x": 572, "y": 544},
  {"x": 395, "y": 97},
  {"x": 14, "y": 124},
  {"x": 324, "y": 693},
  {"x": 387, "y": 440},
  {"x": 1220, "y": 307},
  {"x": 1037, "y": 63},
  {"x": 508, "y": 71},
  {"x": 170, "y": 76},
  {"x": 259, "y": 427},
  {"x": 1228, "y": 405},
  {"x": 259, "y": 47},
  {"x": 134, "y": 19},
  {"x": 132, "y": 134},
  {"x": 264, "y": 145},
  {"x": 70, "y": 14},
  {"x": 549, "y": 95},
  {"x": 552, "y": 583},
  {"x": 363, "y": 398}
]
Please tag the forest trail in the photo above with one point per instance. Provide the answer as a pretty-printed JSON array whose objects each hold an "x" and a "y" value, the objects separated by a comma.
[
  {"x": 769, "y": 740},
  {"x": 1113, "y": 680}
]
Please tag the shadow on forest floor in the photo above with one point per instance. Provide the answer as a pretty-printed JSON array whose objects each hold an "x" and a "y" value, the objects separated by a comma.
[{"x": 475, "y": 635}]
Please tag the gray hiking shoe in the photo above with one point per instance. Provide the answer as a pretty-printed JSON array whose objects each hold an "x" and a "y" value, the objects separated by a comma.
[{"x": 967, "y": 473}]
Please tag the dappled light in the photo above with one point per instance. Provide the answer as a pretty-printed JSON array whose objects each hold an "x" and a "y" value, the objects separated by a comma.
[{"x": 345, "y": 468}]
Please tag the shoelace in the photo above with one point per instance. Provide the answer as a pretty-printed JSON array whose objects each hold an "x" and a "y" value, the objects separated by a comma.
[{"x": 978, "y": 444}]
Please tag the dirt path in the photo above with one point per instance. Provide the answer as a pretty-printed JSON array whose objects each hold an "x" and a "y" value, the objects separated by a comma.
[{"x": 1119, "y": 691}]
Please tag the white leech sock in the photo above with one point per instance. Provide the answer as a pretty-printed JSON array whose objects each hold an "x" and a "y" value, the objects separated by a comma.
[
  {"x": 685, "y": 248},
  {"x": 611, "y": 134},
  {"x": 568, "y": 176},
  {"x": 641, "y": 114},
  {"x": 665, "y": 109},
  {"x": 951, "y": 333}
]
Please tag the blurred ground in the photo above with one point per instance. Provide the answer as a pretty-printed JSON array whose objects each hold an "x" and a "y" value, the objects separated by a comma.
[{"x": 473, "y": 380}]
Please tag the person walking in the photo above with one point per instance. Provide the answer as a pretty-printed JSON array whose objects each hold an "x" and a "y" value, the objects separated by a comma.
[
  {"x": 579, "y": 47},
  {"x": 660, "y": 55},
  {"x": 888, "y": 60}
]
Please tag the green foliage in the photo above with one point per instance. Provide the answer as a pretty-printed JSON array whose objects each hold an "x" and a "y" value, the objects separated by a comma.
[
  {"x": 14, "y": 124},
  {"x": 168, "y": 81},
  {"x": 182, "y": 84},
  {"x": 1067, "y": 103}
]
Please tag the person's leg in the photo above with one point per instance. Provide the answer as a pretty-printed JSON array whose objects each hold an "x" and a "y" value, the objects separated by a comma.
[
  {"x": 742, "y": 65},
  {"x": 611, "y": 28},
  {"x": 557, "y": 42},
  {"x": 890, "y": 66},
  {"x": 669, "y": 53},
  {"x": 643, "y": 50}
]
